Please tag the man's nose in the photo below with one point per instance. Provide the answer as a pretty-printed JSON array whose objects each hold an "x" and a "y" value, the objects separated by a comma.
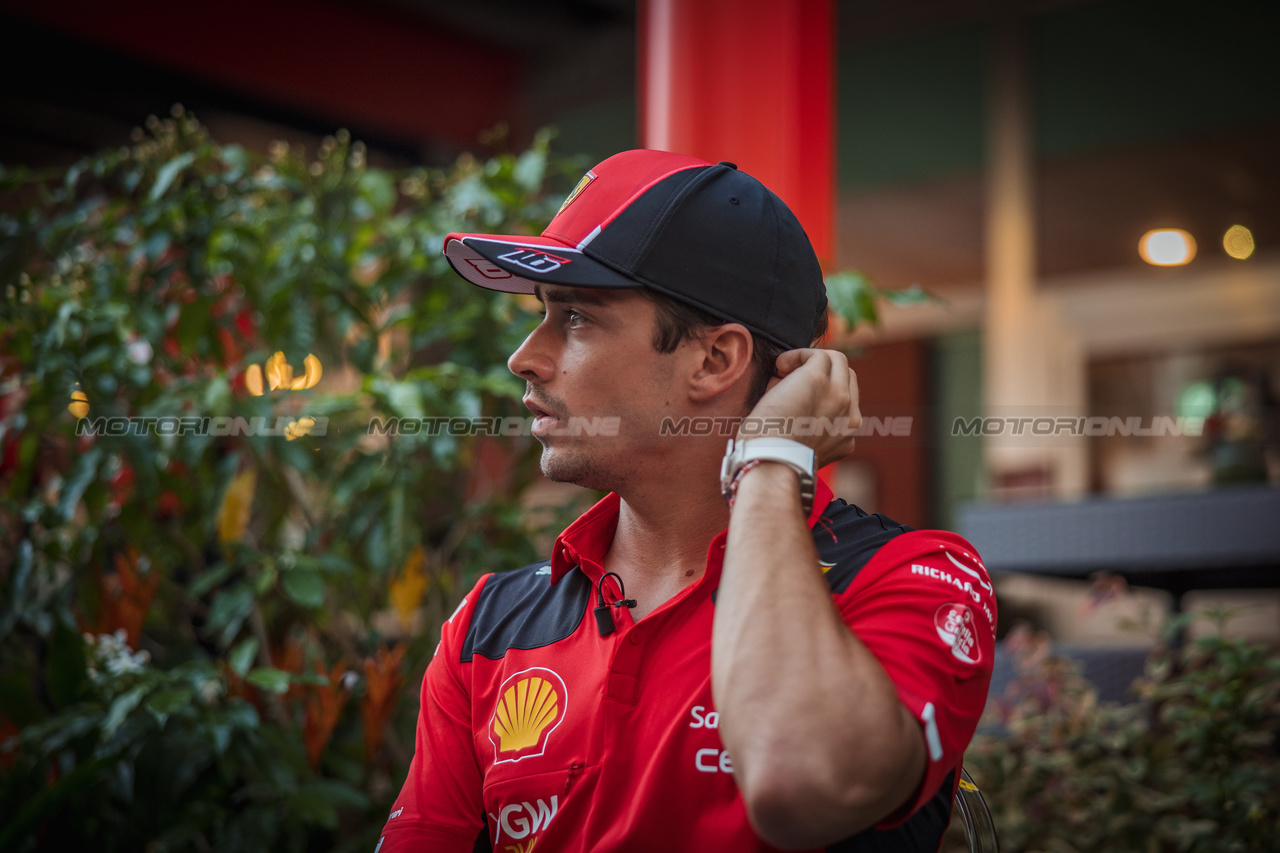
[{"x": 531, "y": 360}]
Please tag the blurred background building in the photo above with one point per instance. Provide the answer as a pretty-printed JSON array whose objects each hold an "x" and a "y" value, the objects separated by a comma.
[{"x": 1009, "y": 157}]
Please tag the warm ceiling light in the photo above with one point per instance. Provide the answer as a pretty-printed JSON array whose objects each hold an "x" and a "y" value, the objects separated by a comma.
[
  {"x": 1167, "y": 247},
  {"x": 1238, "y": 241}
]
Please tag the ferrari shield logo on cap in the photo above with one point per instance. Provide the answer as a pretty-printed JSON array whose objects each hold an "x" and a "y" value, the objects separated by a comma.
[{"x": 577, "y": 191}]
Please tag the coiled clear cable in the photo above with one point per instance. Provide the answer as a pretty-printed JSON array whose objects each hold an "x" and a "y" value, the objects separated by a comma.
[{"x": 977, "y": 817}]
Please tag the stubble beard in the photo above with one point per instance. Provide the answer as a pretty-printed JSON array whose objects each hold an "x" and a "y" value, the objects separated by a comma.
[
  {"x": 581, "y": 468},
  {"x": 576, "y": 468}
]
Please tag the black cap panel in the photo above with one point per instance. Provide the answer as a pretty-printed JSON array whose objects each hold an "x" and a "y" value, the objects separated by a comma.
[
  {"x": 720, "y": 240},
  {"x": 624, "y": 241},
  {"x": 704, "y": 234}
]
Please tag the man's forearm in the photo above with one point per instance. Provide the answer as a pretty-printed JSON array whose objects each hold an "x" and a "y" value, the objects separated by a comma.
[{"x": 821, "y": 746}]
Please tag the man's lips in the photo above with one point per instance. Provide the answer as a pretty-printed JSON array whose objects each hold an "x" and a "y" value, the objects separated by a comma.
[{"x": 537, "y": 410}]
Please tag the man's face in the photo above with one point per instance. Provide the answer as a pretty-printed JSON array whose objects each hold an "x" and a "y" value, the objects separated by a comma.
[{"x": 592, "y": 357}]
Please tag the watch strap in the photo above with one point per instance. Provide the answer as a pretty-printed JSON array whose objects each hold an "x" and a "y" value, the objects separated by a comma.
[{"x": 796, "y": 456}]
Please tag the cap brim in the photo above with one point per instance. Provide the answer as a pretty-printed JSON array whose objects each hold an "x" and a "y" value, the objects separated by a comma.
[{"x": 515, "y": 264}]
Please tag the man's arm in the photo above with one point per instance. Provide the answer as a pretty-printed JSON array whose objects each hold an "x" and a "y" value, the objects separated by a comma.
[
  {"x": 440, "y": 806},
  {"x": 822, "y": 747}
]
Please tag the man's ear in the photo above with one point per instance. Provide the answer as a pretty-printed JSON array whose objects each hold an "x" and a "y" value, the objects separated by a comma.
[{"x": 723, "y": 359}]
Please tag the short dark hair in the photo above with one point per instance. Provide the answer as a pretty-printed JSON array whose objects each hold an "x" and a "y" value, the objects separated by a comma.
[{"x": 676, "y": 322}]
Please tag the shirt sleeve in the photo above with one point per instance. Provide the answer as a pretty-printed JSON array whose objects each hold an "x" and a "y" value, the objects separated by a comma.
[
  {"x": 925, "y": 608},
  {"x": 440, "y": 807}
]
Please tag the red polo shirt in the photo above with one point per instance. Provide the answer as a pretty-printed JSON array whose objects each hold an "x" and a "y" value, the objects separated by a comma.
[{"x": 535, "y": 729}]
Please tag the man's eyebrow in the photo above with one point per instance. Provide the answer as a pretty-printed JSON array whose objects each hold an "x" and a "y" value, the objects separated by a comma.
[{"x": 576, "y": 295}]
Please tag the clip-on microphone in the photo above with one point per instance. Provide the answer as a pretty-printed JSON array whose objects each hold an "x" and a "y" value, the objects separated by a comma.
[{"x": 604, "y": 618}]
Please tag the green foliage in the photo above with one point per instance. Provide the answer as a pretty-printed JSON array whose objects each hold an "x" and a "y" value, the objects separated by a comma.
[
  {"x": 193, "y": 628},
  {"x": 213, "y": 641},
  {"x": 854, "y": 298},
  {"x": 1192, "y": 765}
]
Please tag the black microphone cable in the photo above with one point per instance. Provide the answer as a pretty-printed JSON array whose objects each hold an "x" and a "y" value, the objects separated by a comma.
[{"x": 604, "y": 616}]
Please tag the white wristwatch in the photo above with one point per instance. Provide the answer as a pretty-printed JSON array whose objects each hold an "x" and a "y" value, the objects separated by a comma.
[{"x": 793, "y": 454}]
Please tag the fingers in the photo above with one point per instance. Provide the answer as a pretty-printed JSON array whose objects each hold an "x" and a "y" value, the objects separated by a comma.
[
  {"x": 792, "y": 359},
  {"x": 839, "y": 373},
  {"x": 832, "y": 365},
  {"x": 855, "y": 413}
]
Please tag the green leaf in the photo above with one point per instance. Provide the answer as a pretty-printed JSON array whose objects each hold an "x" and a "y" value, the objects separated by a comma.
[
  {"x": 229, "y": 610},
  {"x": 237, "y": 158},
  {"x": 339, "y": 793},
  {"x": 312, "y": 807},
  {"x": 304, "y": 586},
  {"x": 66, "y": 666},
  {"x": 121, "y": 708},
  {"x": 853, "y": 297},
  {"x": 403, "y": 398},
  {"x": 213, "y": 577},
  {"x": 328, "y": 563},
  {"x": 913, "y": 295},
  {"x": 170, "y": 701},
  {"x": 379, "y": 189},
  {"x": 18, "y": 700},
  {"x": 85, "y": 470},
  {"x": 269, "y": 679},
  {"x": 313, "y": 678},
  {"x": 168, "y": 172},
  {"x": 530, "y": 168},
  {"x": 19, "y": 581},
  {"x": 846, "y": 292},
  {"x": 241, "y": 657},
  {"x": 49, "y": 802}
]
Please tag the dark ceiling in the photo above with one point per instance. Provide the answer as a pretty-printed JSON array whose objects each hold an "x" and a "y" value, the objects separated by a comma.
[{"x": 1146, "y": 112}]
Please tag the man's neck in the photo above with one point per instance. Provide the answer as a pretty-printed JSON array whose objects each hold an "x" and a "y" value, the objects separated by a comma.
[{"x": 664, "y": 529}]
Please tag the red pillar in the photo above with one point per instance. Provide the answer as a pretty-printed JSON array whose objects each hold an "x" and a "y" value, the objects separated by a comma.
[
  {"x": 749, "y": 81},
  {"x": 752, "y": 82}
]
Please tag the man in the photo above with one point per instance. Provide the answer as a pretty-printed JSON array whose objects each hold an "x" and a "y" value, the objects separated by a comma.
[{"x": 682, "y": 675}]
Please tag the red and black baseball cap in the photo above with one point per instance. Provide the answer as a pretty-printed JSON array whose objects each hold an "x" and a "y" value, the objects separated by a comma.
[{"x": 703, "y": 233}]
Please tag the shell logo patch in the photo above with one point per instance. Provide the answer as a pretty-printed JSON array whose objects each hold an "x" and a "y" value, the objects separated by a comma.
[
  {"x": 531, "y": 705},
  {"x": 954, "y": 623},
  {"x": 577, "y": 191}
]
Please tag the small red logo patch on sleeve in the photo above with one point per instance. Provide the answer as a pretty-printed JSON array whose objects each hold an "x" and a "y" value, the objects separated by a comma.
[{"x": 955, "y": 626}]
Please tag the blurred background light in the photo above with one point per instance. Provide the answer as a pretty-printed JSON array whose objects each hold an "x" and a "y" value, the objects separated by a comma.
[
  {"x": 1238, "y": 241},
  {"x": 1197, "y": 400},
  {"x": 1167, "y": 247},
  {"x": 79, "y": 404}
]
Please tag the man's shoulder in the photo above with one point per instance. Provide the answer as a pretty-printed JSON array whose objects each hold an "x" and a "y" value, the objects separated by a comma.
[
  {"x": 848, "y": 538},
  {"x": 523, "y": 609}
]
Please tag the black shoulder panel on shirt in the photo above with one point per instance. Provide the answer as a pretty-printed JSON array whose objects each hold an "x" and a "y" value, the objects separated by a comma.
[
  {"x": 920, "y": 833},
  {"x": 522, "y": 609},
  {"x": 849, "y": 538},
  {"x": 482, "y": 843}
]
